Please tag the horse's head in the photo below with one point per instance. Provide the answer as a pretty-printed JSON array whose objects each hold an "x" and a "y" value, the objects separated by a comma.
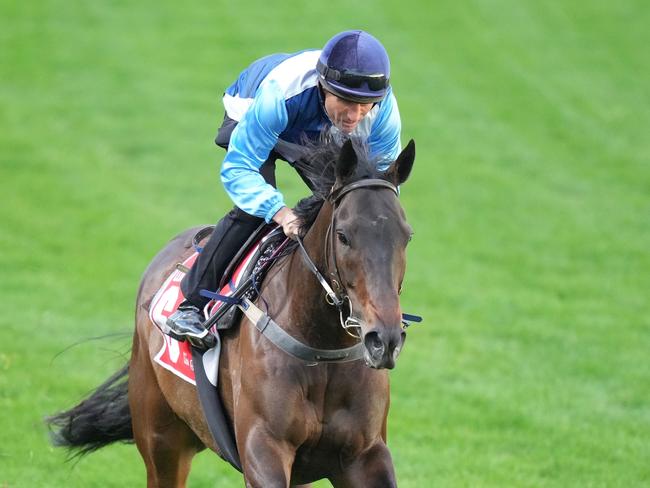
[{"x": 369, "y": 234}]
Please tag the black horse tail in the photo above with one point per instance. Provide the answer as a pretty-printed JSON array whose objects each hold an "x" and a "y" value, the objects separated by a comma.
[{"x": 100, "y": 419}]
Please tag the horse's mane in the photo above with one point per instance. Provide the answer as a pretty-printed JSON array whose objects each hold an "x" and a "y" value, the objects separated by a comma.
[{"x": 318, "y": 166}]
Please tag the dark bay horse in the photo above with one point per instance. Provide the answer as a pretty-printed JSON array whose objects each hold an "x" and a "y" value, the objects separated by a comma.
[{"x": 294, "y": 423}]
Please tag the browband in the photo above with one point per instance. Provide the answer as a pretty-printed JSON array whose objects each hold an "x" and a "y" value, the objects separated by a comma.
[{"x": 336, "y": 194}]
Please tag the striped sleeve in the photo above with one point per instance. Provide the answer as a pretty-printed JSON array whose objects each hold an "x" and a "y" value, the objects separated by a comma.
[{"x": 250, "y": 145}]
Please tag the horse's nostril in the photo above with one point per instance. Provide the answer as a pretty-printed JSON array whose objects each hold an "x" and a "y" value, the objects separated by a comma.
[
  {"x": 374, "y": 344},
  {"x": 373, "y": 341}
]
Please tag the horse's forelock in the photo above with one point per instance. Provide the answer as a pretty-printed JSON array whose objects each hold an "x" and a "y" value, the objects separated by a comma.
[{"x": 318, "y": 165}]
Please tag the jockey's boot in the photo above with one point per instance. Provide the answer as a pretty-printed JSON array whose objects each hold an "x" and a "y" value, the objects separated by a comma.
[{"x": 186, "y": 324}]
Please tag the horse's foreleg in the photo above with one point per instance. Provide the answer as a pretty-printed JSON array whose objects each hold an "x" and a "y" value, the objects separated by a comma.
[
  {"x": 374, "y": 468},
  {"x": 266, "y": 461},
  {"x": 166, "y": 444}
]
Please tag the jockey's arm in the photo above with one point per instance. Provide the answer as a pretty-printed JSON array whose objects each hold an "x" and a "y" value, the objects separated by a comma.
[{"x": 250, "y": 144}]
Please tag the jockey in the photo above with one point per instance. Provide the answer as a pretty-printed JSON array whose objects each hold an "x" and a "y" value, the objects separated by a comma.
[{"x": 276, "y": 104}]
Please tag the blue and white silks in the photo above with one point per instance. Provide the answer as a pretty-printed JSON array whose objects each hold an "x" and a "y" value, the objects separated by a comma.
[{"x": 277, "y": 102}]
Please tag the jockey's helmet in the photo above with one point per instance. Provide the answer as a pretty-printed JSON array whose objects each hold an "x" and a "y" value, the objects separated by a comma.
[{"x": 355, "y": 66}]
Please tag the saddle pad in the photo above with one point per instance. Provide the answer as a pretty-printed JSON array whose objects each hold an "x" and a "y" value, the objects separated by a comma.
[{"x": 176, "y": 356}]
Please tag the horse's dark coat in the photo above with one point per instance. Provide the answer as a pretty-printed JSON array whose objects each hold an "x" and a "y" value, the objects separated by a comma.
[{"x": 293, "y": 423}]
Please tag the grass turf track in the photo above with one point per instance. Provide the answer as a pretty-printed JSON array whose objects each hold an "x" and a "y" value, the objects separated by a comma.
[{"x": 530, "y": 199}]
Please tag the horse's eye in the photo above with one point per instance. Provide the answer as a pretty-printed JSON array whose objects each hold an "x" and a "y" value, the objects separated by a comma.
[
  {"x": 410, "y": 237},
  {"x": 342, "y": 238}
]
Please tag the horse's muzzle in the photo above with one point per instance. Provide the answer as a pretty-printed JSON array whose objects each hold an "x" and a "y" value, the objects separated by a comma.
[{"x": 383, "y": 346}]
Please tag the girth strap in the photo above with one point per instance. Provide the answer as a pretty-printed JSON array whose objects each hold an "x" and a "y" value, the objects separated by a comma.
[{"x": 278, "y": 336}]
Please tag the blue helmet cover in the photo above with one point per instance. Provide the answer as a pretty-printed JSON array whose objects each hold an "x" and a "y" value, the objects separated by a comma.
[{"x": 359, "y": 53}]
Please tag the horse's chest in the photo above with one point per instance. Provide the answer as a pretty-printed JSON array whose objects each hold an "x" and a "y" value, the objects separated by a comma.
[
  {"x": 350, "y": 426},
  {"x": 344, "y": 415},
  {"x": 337, "y": 435}
]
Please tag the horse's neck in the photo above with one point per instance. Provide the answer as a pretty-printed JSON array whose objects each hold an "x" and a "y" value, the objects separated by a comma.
[{"x": 310, "y": 316}]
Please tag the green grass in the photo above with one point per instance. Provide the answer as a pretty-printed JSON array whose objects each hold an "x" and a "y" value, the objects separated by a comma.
[{"x": 530, "y": 200}]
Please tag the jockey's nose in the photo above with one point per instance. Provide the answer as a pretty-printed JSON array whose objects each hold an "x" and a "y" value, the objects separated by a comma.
[
  {"x": 352, "y": 113},
  {"x": 383, "y": 346},
  {"x": 356, "y": 112}
]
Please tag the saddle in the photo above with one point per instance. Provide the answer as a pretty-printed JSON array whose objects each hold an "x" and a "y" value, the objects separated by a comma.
[{"x": 243, "y": 276}]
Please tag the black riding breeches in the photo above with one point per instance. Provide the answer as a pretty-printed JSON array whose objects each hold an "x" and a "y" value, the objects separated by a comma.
[{"x": 230, "y": 233}]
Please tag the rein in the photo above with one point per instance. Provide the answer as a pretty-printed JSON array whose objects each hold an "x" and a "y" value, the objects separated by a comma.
[{"x": 332, "y": 298}]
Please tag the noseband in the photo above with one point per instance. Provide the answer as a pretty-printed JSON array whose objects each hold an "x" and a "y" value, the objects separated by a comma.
[{"x": 351, "y": 324}]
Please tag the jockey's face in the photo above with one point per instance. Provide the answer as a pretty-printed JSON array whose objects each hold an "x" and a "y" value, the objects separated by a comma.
[{"x": 345, "y": 114}]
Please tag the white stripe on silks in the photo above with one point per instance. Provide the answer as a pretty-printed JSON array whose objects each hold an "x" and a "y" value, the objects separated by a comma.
[
  {"x": 295, "y": 74},
  {"x": 236, "y": 107}
]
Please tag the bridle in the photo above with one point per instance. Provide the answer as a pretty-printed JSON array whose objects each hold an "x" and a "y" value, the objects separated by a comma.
[
  {"x": 289, "y": 344},
  {"x": 351, "y": 324}
]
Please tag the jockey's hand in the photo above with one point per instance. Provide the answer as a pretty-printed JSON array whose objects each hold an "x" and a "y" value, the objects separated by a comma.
[{"x": 289, "y": 221}]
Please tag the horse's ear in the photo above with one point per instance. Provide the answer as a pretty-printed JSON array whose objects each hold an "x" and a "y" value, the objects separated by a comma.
[
  {"x": 347, "y": 162},
  {"x": 400, "y": 170}
]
